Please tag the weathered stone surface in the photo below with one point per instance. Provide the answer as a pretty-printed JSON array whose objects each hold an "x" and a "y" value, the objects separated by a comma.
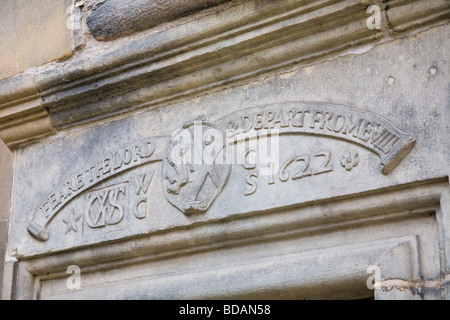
[
  {"x": 297, "y": 168},
  {"x": 102, "y": 187},
  {"x": 365, "y": 156},
  {"x": 155, "y": 68},
  {"x": 21, "y": 112},
  {"x": 110, "y": 19},
  {"x": 33, "y": 33},
  {"x": 243, "y": 282}
]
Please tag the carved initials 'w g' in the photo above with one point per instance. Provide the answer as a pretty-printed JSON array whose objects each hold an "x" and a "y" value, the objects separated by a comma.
[{"x": 141, "y": 182}]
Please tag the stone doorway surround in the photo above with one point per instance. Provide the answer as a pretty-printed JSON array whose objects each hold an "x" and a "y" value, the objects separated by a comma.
[{"x": 356, "y": 91}]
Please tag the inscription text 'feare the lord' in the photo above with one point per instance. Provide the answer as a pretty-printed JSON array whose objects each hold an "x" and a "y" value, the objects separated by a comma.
[{"x": 125, "y": 158}]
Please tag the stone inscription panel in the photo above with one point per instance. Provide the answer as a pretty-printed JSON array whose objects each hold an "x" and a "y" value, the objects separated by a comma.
[{"x": 267, "y": 157}]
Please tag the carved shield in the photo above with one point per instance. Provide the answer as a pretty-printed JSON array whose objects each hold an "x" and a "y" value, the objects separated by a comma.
[{"x": 194, "y": 169}]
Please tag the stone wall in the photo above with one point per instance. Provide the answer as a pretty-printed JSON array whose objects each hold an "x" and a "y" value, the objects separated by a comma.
[
  {"x": 234, "y": 149},
  {"x": 33, "y": 33}
]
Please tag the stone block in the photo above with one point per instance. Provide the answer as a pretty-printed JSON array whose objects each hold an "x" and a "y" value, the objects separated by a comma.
[
  {"x": 33, "y": 33},
  {"x": 112, "y": 19}
]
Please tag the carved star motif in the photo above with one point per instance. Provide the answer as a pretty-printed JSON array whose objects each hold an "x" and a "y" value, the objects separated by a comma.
[{"x": 71, "y": 222}]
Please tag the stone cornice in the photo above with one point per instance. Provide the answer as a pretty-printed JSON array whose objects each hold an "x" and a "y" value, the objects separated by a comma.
[
  {"x": 221, "y": 45},
  {"x": 22, "y": 115}
]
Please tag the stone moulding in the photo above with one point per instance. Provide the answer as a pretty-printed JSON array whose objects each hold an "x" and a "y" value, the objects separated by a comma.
[
  {"x": 406, "y": 14},
  {"x": 270, "y": 225},
  {"x": 309, "y": 215},
  {"x": 222, "y": 45},
  {"x": 300, "y": 276},
  {"x": 21, "y": 112}
]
